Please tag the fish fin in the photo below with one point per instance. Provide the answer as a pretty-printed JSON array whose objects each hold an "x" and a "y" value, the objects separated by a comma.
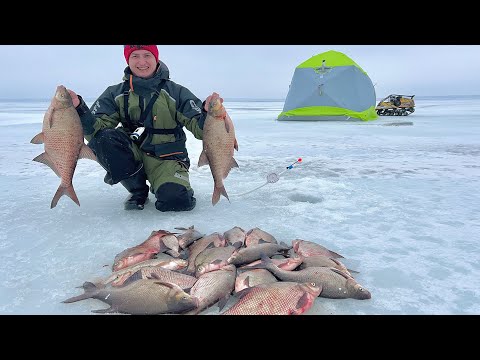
[
  {"x": 233, "y": 164},
  {"x": 203, "y": 159},
  {"x": 38, "y": 139},
  {"x": 336, "y": 262},
  {"x": 137, "y": 275},
  {"x": 333, "y": 254},
  {"x": 69, "y": 191},
  {"x": 210, "y": 245},
  {"x": 237, "y": 245},
  {"x": 235, "y": 144},
  {"x": 344, "y": 274},
  {"x": 353, "y": 271},
  {"x": 168, "y": 284},
  {"x": 87, "y": 153},
  {"x": 261, "y": 241},
  {"x": 264, "y": 263},
  {"x": 302, "y": 302},
  {"x": 222, "y": 302},
  {"x": 341, "y": 265},
  {"x": 105, "y": 311},
  {"x": 184, "y": 229},
  {"x": 246, "y": 282},
  {"x": 217, "y": 261},
  {"x": 44, "y": 158},
  {"x": 90, "y": 291},
  {"x": 243, "y": 292}
]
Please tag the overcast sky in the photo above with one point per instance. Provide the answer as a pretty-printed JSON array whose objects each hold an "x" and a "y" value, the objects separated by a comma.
[{"x": 238, "y": 71}]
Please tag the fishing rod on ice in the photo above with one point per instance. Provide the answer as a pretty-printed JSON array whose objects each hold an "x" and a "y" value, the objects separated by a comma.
[{"x": 272, "y": 178}]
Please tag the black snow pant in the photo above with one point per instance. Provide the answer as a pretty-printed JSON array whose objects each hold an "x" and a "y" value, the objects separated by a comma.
[{"x": 114, "y": 151}]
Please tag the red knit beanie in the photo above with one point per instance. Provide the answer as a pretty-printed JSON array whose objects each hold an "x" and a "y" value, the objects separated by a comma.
[{"x": 128, "y": 49}]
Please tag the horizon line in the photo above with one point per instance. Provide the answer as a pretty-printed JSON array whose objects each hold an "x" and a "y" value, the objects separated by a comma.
[{"x": 242, "y": 98}]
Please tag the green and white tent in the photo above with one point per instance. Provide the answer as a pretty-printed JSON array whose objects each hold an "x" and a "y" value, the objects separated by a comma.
[{"x": 330, "y": 86}]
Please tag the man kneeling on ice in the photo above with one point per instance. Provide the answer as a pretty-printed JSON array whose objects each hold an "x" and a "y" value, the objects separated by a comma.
[{"x": 150, "y": 143}]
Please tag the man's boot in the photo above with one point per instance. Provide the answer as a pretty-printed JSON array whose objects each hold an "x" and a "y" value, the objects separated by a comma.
[{"x": 138, "y": 189}]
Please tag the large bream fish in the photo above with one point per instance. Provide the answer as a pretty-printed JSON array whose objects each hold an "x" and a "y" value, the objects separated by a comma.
[
  {"x": 62, "y": 134},
  {"x": 218, "y": 144}
]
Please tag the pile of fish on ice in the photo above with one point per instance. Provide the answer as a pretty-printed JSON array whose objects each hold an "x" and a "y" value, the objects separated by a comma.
[{"x": 188, "y": 272}]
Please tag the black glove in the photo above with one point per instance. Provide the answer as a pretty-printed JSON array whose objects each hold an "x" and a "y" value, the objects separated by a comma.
[{"x": 82, "y": 108}]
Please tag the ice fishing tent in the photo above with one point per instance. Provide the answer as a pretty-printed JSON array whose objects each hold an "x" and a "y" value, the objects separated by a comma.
[{"x": 330, "y": 86}]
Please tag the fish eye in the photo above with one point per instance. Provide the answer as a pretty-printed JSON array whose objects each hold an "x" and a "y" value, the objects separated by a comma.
[
  {"x": 200, "y": 268},
  {"x": 360, "y": 288},
  {"x": 313, "y": 284}
]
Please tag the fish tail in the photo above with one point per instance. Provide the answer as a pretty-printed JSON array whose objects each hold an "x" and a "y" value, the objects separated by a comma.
[
  {"x": 267, "y": 263},
  {"x": 217, "y": 191},
  {"x": 69, "y": 191},
  {"x": 215, "y": 196},
  {"x": 90, "y": 291},
  {"x": 265, "y": 259}
]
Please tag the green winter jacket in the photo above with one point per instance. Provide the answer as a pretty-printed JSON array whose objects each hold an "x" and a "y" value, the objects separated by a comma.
[{"x": 176, "y": 107}]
